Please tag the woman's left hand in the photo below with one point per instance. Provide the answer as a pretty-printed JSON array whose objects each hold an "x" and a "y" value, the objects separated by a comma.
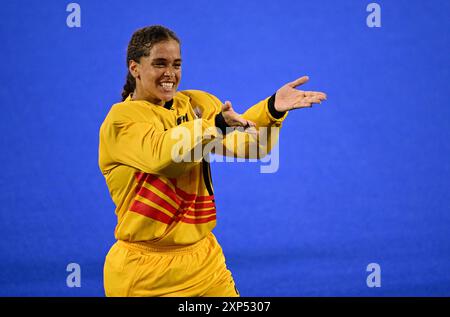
[{"x": 288, "y": 98}]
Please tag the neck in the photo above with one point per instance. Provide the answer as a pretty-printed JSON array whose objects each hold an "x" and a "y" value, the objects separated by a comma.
[{"x": 139, "y": 96}]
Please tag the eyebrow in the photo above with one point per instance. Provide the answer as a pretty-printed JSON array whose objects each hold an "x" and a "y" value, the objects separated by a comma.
[{"x": 165, "y": 60}]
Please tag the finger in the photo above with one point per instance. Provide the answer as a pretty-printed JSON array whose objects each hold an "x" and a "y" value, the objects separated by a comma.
[
  {"x": 310, "y": 93},
  {"x": 309, "y": 96},
  {"x": 239, "y": 122},
  {"x": 226, "y": 106},
  {"x": 314, "y": 99},
  {"x": 298, "y": 81},
  {"x": 250, "y": 124},
  {"x": 315, "y": 93}
]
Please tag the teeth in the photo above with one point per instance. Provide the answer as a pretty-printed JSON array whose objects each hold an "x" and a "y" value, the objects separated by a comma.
[{"x": 167, "y": 85}]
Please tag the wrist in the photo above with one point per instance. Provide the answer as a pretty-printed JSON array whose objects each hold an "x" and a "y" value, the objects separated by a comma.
[
  {"x": 273, "y": 111},
  {"x": 221, "y": 124}
]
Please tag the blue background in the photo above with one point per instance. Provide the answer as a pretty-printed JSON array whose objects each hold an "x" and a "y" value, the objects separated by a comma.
[{"x": 363, "y": 178}]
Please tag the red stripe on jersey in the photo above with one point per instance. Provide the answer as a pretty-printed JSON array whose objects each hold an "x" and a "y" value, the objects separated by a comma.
[
  {"x": 205, "y": 198},
  {"x": 179, "y": 196},
  {"x": 173, "y": 181},
  {"x": 201, "y": 213},
  {"x": 150, "y": 212},
  {"x": 204, "y": 205},
  {"x": 199, "y": 220},
  {"x": 185, "y": 196},
  {"x": 140, "y": 176},
  {"x": 192, "y": 198},
  {"x": 148, "y": 194},
  {"x": 164, "y": 188}
]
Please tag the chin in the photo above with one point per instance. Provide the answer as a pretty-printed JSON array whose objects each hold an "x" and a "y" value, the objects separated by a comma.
[{"x": 168, "y": 96}]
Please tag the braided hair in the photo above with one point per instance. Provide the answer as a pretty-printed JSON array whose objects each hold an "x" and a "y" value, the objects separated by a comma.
[{"x": 140, "y": 44}]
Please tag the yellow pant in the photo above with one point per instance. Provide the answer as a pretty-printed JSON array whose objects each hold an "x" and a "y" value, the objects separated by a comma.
[{"x": 138, "y": 269}]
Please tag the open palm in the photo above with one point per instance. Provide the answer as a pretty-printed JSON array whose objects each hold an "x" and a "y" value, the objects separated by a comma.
[{"x": 288, "y": 98}]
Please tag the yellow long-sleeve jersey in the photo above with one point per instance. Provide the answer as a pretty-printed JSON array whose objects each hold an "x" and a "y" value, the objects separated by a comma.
[{"x": 157, "y": 199}]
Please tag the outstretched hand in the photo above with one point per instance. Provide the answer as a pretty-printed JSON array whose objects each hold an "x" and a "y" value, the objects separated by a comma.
[{"x": 289, "y": 98}]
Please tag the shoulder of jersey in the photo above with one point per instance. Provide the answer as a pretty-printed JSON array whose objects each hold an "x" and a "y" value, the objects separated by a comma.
[
  {"x": 125, "y": 110},
  {"x": 199, "y": 97}
]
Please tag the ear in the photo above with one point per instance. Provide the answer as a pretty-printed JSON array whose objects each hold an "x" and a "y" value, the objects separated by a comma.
[{"x": 134, "y": 68}]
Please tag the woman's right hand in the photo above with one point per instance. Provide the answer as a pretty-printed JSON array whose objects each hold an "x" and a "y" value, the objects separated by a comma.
[{"x": 233, "y": 119}]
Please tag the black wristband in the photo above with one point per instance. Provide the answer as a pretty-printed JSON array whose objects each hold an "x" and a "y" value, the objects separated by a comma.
[
  {"x": 271, "y": 104},
  {"x": 221, "y": 124}
]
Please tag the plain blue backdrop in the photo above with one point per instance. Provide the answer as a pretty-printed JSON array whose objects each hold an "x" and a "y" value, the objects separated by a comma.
[{"x": 364, "y": 177}]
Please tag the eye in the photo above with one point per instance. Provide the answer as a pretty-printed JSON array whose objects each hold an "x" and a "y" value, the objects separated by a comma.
[{"x": 177, "y": 66}]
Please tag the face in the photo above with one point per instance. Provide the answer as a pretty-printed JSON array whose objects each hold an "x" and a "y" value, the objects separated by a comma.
[{"x": 158, "y": 75}]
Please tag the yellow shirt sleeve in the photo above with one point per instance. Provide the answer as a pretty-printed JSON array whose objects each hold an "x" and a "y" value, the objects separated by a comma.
[{"x": 144, "y": 146}]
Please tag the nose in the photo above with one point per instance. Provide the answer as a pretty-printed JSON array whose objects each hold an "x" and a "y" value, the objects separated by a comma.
[{"x": 169, "y": 73}]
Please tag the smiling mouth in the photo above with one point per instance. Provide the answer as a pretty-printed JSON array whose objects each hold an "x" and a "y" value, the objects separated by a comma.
[{"x": 167, "y": 86}]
